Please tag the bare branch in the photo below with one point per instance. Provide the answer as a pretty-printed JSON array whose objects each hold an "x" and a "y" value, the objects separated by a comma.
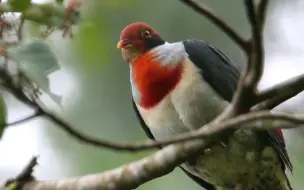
[
  {"x": 24, "y": 176},
  {"x": 28, "y": 118},
  {"x": 262, "y": 12},
  {"x": 254, "y": 120},
  {"x": 245, "y": 94},
  {"x": 19, "y": 30},
  {"x": 202, "y": 9},
  {"x": 164, "y": 161},
  {"x": 292, "y": 87},
  {"x": 129, "y": 176},
  {"x": 256, "y": 57},
  {"x": 273, "y": 102}
]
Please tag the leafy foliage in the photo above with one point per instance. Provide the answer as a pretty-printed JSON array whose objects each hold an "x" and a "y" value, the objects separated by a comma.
[
  {"x": 37, "y": 61},
  {"x": 59, "y": 1},
  {"x": 20, "y": 5}
]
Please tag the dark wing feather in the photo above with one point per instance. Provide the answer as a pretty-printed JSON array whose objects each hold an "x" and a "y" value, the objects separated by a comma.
[
  {"x": 198, "y": 180},
  {"x": 219, "y": 71},
  {"x": 142, "y": 122},
  {"x": 276, "y": 138}
]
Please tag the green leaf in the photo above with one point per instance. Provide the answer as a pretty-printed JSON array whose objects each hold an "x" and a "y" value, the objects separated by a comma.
[
  {"x": 2, "y": 115},
  {"x": 37, "y": 61},
  {"x": 12, "y": 186},
  {"x": 31, "y": 30},
  {"x": 20, "y": 5},
  {"x": 59, "y": 1}
]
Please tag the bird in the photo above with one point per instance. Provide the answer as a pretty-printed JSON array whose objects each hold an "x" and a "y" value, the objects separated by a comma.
[{"x": 178, "y": 87}]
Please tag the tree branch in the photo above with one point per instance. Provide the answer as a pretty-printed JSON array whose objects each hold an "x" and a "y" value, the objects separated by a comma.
[
  {"x": 255, "y": 67},
  {"x": 164, "y": 161},
  {"x": 202, "y": 9},
  {"x": 23, "y": 120},
  {"x": 24, "y": 176},
  {"x": 262, "y": 12},
  {"x": 254, "y": 120},
  {"x": 291, "y": 87},
  {"x": 245, "y": 94}
]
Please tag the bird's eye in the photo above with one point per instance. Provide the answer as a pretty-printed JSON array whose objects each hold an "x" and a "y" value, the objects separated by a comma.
[{"x": 146, "y": 34}]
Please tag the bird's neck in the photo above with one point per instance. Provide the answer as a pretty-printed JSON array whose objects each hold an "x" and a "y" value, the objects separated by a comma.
[{"x": 152, "y": 81}]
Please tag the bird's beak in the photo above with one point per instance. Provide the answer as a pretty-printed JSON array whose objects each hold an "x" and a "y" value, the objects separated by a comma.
[{"x": 123, "y": 43}]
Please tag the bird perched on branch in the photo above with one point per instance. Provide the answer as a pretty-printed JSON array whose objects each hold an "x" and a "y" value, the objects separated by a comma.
[{"x": 178, "y": 87}]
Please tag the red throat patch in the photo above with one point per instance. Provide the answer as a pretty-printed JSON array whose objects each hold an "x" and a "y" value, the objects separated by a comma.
[{"x": 153, "y": 80}]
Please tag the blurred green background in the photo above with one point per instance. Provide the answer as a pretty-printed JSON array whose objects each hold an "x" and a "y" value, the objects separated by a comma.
[{"x": 96, "y": 93}]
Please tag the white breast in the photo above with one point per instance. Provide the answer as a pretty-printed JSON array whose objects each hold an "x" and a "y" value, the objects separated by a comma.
[{"x": 190, "y": 105}]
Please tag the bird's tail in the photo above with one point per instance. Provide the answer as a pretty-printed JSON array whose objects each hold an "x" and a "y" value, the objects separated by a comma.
[
  {"x": 283, "y": 180},
  {"x": 271, "y": 177},
  {"x": 288, "y": 186}
]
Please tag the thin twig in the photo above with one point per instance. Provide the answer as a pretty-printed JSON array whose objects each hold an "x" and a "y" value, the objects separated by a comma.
[
  {"x": 19, "y": 30},
  {"x": 25, "y": 176},
  {"x": 254, "y": 120},
  {"x": 245, "y": 94},
  {"x": 201, "y": 8},
  {"x": 262, "y": 7},
  {"x": 273, "y": 102},
  {"x": 28, "y": 169},
  {"x": 23, "y": 120},
  {"x": 250, "y": 120},
  {"x": 291, "y": 86},
  {"x": 255, "y": 66}
]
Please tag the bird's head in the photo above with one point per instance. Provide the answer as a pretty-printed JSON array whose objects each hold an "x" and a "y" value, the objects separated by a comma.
[{"x": 137, "y": 39}]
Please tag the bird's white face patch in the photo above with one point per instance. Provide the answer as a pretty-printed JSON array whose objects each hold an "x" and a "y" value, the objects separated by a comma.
[{"x": 169, "y": 53}]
